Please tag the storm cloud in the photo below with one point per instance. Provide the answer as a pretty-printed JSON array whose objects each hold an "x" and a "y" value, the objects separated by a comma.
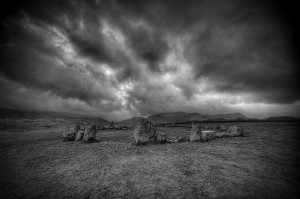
[{"x": 119, "y": 59}]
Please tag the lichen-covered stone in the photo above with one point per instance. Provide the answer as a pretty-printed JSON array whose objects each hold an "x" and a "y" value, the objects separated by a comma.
[
  {"x": 90, "y": 133},
  {"x": 161, "y": 137},
  {"x": 144, "y": 132},
  {"x": 70, "y": 133},
  {"x": 79, "y": 135},
  {"x": 207, "y": 135},
  {"x": 195, "y": 133},
  {"x": 235, "y": 131}
]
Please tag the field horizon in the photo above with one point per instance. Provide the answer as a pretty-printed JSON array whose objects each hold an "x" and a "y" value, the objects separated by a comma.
[{"x": 36, "y": 163}]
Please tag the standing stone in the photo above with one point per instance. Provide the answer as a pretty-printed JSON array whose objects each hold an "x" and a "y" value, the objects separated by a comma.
[
  {"x": 235, "y": 131},
  {"x": 90, "y": 133},
  {"x": 70, "y": 133},
  {"x": 195, "y": 133},
  {"x": 161, "y": 137},
  {"x": 207, "y": 135},
  {"x": 79, "y": 135},
  {"x": 144, "y": 132}
]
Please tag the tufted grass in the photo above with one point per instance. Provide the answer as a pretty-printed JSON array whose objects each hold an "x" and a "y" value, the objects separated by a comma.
[{"x": 263, "y": 164}]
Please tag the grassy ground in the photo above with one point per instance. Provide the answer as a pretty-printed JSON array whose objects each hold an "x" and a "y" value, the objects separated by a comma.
[{"x": 261, "y": 165}]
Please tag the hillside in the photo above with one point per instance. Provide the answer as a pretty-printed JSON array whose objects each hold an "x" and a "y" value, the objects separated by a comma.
[
  {"x": 129, "y": 122},
  {"x": 189, "y": 117},
  {"x": 21, "y": 120}
]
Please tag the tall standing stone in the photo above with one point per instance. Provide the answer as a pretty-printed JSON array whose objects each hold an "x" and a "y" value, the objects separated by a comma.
[
  {"x": 90, "y": 133},
  {"x": 144, "y": 132},
  {"x": 195, "y": 133},
  {"x": 79, "y": 135}
]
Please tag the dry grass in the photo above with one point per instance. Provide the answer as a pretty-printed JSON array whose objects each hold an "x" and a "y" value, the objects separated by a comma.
[{"x": 261, "y": 165}]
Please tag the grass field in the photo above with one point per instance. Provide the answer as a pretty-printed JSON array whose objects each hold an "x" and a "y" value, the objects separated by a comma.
[{"x": 263, "y": 164}]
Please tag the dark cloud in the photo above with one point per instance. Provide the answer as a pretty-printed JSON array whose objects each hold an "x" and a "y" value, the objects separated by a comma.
[{"x": 127, "y": 58}]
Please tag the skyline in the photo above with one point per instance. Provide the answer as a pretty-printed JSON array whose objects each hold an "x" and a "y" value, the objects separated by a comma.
[{"x": 122, "y": 59}]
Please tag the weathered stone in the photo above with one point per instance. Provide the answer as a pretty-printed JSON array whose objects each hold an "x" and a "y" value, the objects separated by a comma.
[
  {"x": 195, "y": 133},
  {"x": 79, "y": 135},
  {"x": 90, "y": 133},
  {"x": 144, "y": 132},
  {"x": 70, "y": 133},
  {"x": 207, "y": 135},
  {"x": 161, "y": 137},
  {"x": 235, "y": 131},
  {"x": 221, "y": 128}
]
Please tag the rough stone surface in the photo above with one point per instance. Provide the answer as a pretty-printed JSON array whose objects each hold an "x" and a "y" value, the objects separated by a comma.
[
  {"x": 195, "y": 133},
  {"x": 79, "y": 135},
  {"x": 70, "y": 133},
  {"x": 161, "y": 137},
  {"x": 235, "y": 131},
  {"x": 90, "y": 133},
  {"x": 144, "y": 132},
  {"x": 207, "y": 135}
]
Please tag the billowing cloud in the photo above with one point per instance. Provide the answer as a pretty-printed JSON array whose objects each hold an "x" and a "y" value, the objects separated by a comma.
[{"x": 118, "y": 59}]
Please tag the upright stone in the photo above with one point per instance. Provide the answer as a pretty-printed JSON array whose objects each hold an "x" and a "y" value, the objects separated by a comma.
[
  {"x": 79, "y": 135},
  {"x": 196, "y": 134},
  {"x": 235, "y": 131},
  {"x": 90, "y": 133},
  {"x": 144, "y": 132},
  {"x": 161, "y": 137},
  {"x": 70, "y": 133},
  {"x": 207, "y": 135}
]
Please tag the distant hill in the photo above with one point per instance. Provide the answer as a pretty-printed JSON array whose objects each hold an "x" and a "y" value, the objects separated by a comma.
[
  {"x": 32, "y": 114},
  {"x": 283, "y": 118},
  {"x": 129, "y": 122},
  {"x": 28, "y": 119},
  {"x": 181, "y": 117}
]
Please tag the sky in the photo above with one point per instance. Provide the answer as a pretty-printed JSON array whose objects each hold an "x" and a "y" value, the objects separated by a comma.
[{"x": 125, "y": 58}]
